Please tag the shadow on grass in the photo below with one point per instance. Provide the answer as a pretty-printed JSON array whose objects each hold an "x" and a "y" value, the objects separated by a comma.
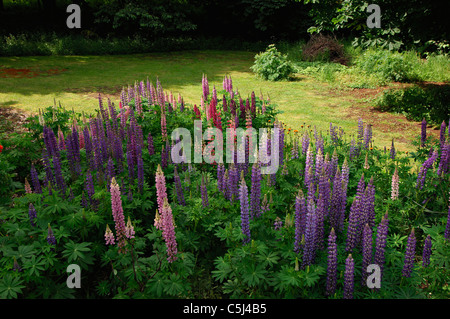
[{"x": 108, "y": 74}]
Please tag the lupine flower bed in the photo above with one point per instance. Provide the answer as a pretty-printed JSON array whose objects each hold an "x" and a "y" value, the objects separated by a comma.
[{"x": 107, "y": 196}]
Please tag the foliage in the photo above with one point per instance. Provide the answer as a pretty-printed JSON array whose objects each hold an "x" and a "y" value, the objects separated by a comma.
[
  {"x": 272, "y": 65},
  {"x": 212, "y": 260},
  {"x": 418, "y": 102}
]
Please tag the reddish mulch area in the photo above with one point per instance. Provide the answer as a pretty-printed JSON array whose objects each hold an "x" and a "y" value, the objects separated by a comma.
[
  {"x": 28, "y": 73},
  {"x": 384, "y": 121}
]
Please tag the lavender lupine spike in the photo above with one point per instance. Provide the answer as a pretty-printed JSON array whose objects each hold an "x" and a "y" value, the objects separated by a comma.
[
  {"x": 204, "y": 192},
  {"x": 366, "y": 252},
  {"x": 336, "y": 199},
  {"x": 255, "y": 195},
  {"x": 348, "y": 277},
  {"x": 117, "y": 212},
  {"x": 58, "y": 175},
  {"x": 320, "y": 217},
  {"x": 353, "y": 224},
  {"x": 409, "y": 255},
  {"x": 332, "y": 263},
  {"x": 423, "y": 136},
  {"x": 35, "y": 180},
  {"x": 444, "y": 161},
  {"x": 380, "y": 242},
  {"x": 244, "y": 203},
  {"x": 168, "y": 232},
  {"x": 300, "y": 220},
  {"x": 309, "y": 250},
  {"x": 140, "y": 173},
  {"x": 32, "y": 214},
  {"x": 426, "y": 252},
  {"x": 423, "y": 170}
]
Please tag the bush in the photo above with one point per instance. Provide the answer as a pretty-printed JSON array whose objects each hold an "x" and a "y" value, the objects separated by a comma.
[
  {"x": 390, "y": 66},
  {"x": 418, "y": 102},
  {"x": 272, "y": 65}
]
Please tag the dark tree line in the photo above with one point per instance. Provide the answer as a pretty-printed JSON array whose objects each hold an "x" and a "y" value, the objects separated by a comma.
[{"x": 404, "y": 22}]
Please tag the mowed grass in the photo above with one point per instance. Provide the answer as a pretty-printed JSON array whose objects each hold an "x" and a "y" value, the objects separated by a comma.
[{"x": 303, "y": 100}]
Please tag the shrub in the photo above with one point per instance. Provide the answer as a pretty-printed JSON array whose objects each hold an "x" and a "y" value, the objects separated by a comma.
[
  {"x": 272, "y": 65},
  {"x": 418, "y": 102},
  {"x": 390, "y": 66}
]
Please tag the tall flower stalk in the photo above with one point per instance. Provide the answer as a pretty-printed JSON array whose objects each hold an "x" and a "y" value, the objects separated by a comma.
[
  {"x": 243, "y": 198},
  {"x": 117, "y": 212}
]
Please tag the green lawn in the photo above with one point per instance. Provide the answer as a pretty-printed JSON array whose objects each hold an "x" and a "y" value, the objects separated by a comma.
[{"x": 303, "y": 100}]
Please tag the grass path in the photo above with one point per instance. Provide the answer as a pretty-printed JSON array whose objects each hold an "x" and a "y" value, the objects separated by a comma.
[{"x": 75, "y": 82}]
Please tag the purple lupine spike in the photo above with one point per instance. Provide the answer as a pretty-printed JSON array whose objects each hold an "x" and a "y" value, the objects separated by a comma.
[
  {"x": 370, "y": 203},
  {"x": 325, "y": 191},
  {"x": 348, "y": 277},
  {"x": 353, "y": 152},
  {"x": 366, "y": 252},
  {"x": 234, "y": 182},
  {"x": 423, "y": 135},
  {"x": 140, "y": 173},
  {"x": 367, "y": 135},
  {"x": 423, "y": 170},
  {"x": 309, "y": 250},
  {"x": 320, "y": 217},
  {"x": 178, "y": 188},
  {"x": 336, "y": 198},
  {"x": 204, "y": 192},
  {"x": 380, "y": 242},
  {"x": 305, "y": 142},
  {"x": 110, "y": 172},
  {"x": 360, "y": 131},
  {"x": 58, "y": 175},
  {"x": 35, "y": 180},
  {"x": 426, "y": 252},
  {"x": 164, "y": 158},
  {"x": 244, "y": 203},
  {"x": 32, "y": 214},
  {"x": 300, "y": 220},
  {"x": 393, "y": 151},
  {"x": 331, "y": 264},
  {"x": 334, "y": 164},
  {"x": 88, "y": 148},
  {"x": 51, "y": 240},
  {"x": 409, "y": 255},
  {"x": 255, "y": 192},
  {"x": 353, "y": 224},
  {"x": 444, "y": 161}
]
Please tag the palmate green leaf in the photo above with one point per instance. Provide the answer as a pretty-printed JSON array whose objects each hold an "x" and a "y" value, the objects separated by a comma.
[
  {"x": 254, "y": 275},
  {"x": 76, "y": 251},
  {"x": 10, "y": 287},
  {"x": 174, "y": 285},
  {"x": 156, "y": 286},
  {"x": 268, "y": 258},
  {"x": 34, "y": 266}
]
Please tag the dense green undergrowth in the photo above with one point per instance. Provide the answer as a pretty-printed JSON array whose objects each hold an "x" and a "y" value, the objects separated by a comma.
[{"x": 224, "y": 230}]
